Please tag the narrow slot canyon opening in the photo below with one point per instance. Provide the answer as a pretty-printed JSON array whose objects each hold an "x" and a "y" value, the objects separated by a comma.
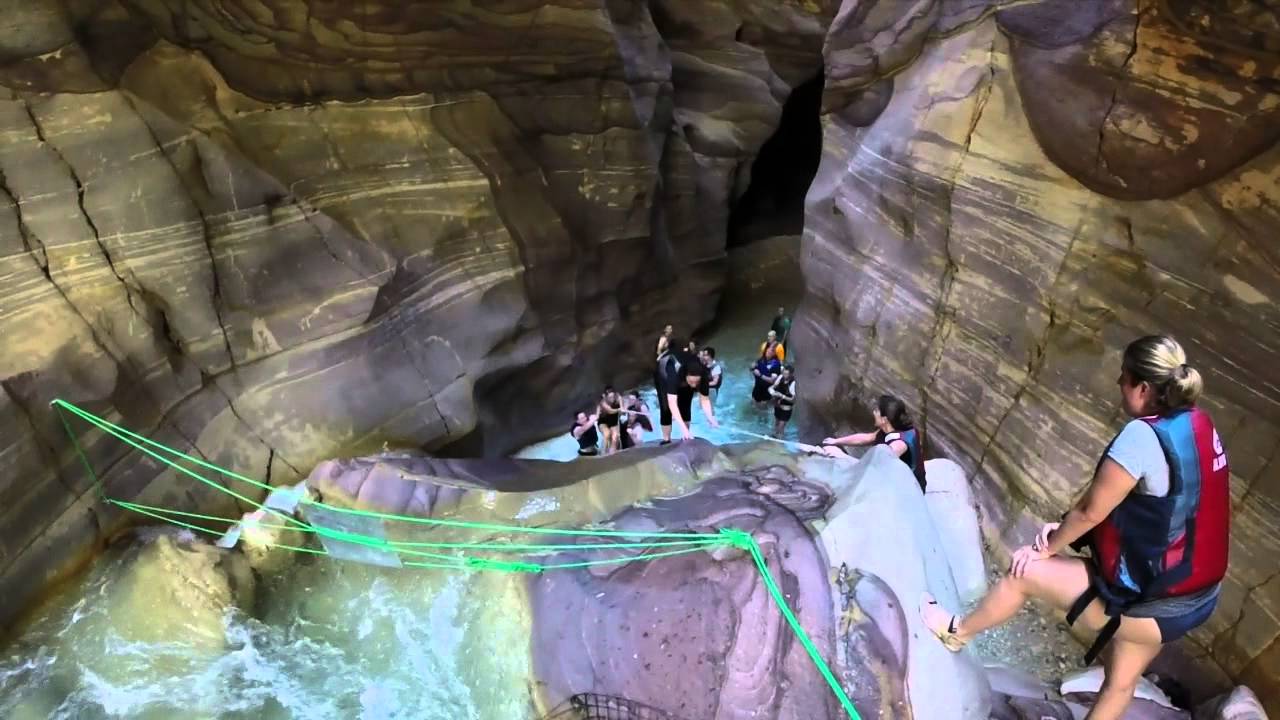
[{"x": 773, "y": 203}]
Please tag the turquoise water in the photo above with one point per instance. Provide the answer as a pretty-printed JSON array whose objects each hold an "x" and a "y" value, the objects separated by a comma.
[
  {"x": 332, "y": 640},
  {"x": 765, "y": 278}
]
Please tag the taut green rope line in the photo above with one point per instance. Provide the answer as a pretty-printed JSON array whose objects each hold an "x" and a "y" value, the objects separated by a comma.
[
  {"x": 133, "y": 439},
  {"x": 101, "y": 423},
  {"x": 688, "y": 543},
  {"x": 495, "y": 546}
]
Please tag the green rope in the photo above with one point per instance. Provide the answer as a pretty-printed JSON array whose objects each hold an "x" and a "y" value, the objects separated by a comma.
[
  {"x": 698, "y": 542},
  {"x": 84, "y": 460},
  {"x": 781, "y": 602},
  {"x": 95, "y": 420},
  {"x": 505, "y": 528},
  {"x": 133, "y": 439},
  {"x": 641, "y": 556},
  {"x": 711, "y": 540}
]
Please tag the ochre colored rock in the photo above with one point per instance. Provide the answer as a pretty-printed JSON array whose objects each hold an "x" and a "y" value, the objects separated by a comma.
[{"x": 1038, "y": 192}]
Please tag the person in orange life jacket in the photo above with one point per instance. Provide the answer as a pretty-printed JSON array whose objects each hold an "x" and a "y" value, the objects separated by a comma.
[
  {"x": 783, "y": 391},
  {"x": 893, "y": 428},
  {"x": 771, "y": 341},
  {"x": 584, "y": 431},
  {"x": 766, "y": 370},
  {"x": 1156, "y": 519},
  {"x": 679, "y": 377}
]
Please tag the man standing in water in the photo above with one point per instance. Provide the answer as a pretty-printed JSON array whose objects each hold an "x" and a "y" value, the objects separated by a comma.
[
  {"x": 715, "y": 370},
  {"x": 771, "y": 342},
  {"x": 781, "y": 326},
  {"x": 680, "y": 376},
  {"x": 783, "y": 391}
]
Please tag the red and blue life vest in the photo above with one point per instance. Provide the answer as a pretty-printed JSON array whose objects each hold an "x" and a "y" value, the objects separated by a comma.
[{"x": 1157, "y": 547}]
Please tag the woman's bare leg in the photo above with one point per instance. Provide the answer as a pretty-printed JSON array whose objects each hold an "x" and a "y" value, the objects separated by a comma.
[
  {"x": 1058, "y": 581},
  {"x": 1124, "y": 666}
]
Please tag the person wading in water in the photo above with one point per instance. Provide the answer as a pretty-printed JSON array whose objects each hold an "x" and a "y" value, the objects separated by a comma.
[
  {"x": 680, "y": 376},
  {"x": 1156, "y": 518},
  {"x": 783, "y": 391},
  {"x": 716, "y": 370},
  {"x": 765, "y": 370}
]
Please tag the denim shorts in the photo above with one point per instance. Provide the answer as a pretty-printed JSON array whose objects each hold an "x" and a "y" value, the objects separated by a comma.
[{"x": 1172, "y": 628}]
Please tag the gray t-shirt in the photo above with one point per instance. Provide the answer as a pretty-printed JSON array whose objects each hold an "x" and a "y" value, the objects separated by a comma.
[{"x": 1137, "y": 450}]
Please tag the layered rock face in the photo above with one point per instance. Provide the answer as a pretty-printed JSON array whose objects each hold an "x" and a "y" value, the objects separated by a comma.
[
  {"x": 1006, "y": 199},
  {"x": 270, "y": 233}
]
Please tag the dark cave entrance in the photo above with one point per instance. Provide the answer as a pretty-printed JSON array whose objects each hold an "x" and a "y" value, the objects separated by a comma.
[{"x": 773, "y": 203}]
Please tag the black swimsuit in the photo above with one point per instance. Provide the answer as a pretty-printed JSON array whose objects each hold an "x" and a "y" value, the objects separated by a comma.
[{"x": 587, "y": 440}]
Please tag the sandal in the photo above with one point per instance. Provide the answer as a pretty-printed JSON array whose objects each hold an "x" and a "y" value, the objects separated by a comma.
[{"x": 934, "y": 618}]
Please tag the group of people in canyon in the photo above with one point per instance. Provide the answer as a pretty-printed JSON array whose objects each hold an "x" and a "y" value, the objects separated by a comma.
[
  {"x": 1154, "y": 519},
  {"x": 682, "y": 372}
]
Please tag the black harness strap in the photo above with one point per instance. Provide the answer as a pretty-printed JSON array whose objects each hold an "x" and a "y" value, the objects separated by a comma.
[{"x": 1108, "y": 631}]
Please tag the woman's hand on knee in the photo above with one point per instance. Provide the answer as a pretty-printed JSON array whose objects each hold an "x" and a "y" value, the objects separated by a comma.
[
  {"x": 1023, "y": 558},
  {"x": 1042, "y": 539}
]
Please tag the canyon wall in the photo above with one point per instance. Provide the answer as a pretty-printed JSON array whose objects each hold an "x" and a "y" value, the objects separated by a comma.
[
  {"x": 1006, "y": 199},
  {"x": 269, "y": 232}
]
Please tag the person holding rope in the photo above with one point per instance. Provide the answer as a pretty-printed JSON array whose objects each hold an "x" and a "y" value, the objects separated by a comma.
[
  {"x": 636, "y": 420},
  {"x": 894, "y": 428},
  {"x": 1156, "y": 517},
  {"x": 609, "y": 411},
  {"x": 680, "y": 376},
  {"x": 584, "y": 431}
]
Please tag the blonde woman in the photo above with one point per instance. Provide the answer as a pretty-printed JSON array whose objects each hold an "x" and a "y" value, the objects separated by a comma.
[{"x": 1156, "y": 518}]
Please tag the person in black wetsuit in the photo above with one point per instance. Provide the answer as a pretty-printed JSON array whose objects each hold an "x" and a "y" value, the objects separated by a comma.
[
  {"x": 678, "y": 378},
  {"x": 783, "y": 391},
  {"x": 610, "y": 411},
  {"x": 584, "y": 431},
  {"x": 765, "y": 370},
  {"x": 635, "y": 420}
]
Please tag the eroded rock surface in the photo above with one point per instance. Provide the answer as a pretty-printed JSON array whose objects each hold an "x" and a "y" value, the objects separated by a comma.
[
  {"x": 993, "y": 221},
  {"x": 697, "y": 635},
  {"x": 272, "y": 233}
]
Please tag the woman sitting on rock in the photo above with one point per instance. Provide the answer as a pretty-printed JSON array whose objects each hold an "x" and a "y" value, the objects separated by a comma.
[
  {"x": 1156, "y": 517},
  {"x": 584, "y": 431},
  {"x": 893, "y": 428}
]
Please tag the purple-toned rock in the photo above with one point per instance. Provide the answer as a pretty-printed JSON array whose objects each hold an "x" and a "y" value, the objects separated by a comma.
[{"x": 697, "y": 635}]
